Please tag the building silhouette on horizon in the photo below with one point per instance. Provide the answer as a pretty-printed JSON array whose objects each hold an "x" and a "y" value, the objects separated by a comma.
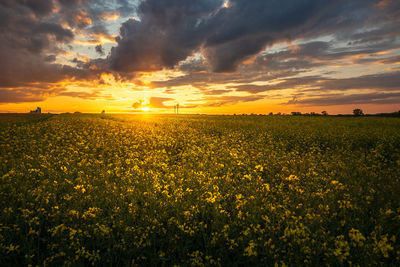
[{"x": 37, "y": 111}]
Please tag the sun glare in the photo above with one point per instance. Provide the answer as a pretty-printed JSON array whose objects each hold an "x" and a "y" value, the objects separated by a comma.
[{"x": 145, "y": 108}]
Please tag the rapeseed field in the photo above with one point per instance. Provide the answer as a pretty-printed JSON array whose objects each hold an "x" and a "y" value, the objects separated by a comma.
[{"x": 192, "y": 190}]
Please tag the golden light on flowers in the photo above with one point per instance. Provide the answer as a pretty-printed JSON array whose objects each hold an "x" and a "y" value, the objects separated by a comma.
[
  {"x": 256, "y": 187},
  {"x": 121, "y": 143}
]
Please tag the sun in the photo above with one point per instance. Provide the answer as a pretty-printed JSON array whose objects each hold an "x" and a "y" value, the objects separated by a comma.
[{"x": 145, "y": 108}]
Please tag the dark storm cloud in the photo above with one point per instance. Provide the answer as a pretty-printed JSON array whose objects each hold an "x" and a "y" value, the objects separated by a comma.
[
  {"x": 32, "y": 94},
  {"x": 21, "y": 68},
  {"x": 316, "y": 54},
  {"x": 39, "y": 7},
  {"x": 169, "y": 31},
  {"x": 247, "y": 27},
  {"x": 341, "y": 99},
  {"x": 89, "y": 17},
  {"x": 216, "y": 92},
  {"x": 32, "y": 33},
  {"x": 50, "y": 58},
  {"x": 384, "y": 81},
  {"x": 61, "y": 34},
  {"x": 35, "y": 36},
  {"x": 203, "y": 79},
  {"x": 25, "y": 40},
  {"x": 20, "y": 95},
  {"x": 282, "y": 65}
]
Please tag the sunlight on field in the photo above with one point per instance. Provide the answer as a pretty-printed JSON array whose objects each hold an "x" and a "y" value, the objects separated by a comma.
[{"x": 199, "y": 190}]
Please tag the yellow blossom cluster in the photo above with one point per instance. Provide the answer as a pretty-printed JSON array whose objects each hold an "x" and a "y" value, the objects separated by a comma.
[{"x": 196, "y": 190}]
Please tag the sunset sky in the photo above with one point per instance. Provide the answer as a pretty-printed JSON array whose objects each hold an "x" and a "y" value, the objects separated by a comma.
[{"x": 210, "y": 56}]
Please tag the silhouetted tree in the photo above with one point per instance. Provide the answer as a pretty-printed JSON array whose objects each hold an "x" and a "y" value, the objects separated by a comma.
[
  {"x": 358, "y": 112},
  {"x": 324, "y": 113}
]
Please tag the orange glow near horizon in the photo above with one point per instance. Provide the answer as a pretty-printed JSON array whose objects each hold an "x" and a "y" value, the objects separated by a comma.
[
  {"x": 116, "y": 95},
  {"x": 132, "y": 57}
]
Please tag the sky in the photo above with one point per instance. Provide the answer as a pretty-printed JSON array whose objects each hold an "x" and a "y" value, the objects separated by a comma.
[{"x": 208, "y": 56}]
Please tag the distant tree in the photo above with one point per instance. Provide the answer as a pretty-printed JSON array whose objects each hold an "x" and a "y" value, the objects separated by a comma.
[
  {"x": 296, "y": 113},
  {"x": 271, "y": 114},
  {"x": 358, "y": 112},
  {"x": 324, "y": 113}
]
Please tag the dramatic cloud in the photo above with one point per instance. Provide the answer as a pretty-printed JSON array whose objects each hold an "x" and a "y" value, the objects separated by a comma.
[
  {"x": 153, "y": 102},
  {"x": 383, "y": 82},
  {"x": 29, "y": 41},
  {"x": 34, "y": 34},
  {"x": 167, "y": 32},
  {"x": 158, "y": 102},
  {"x": 22, "y": 95},
  {"x": 222, "y": 52},
  {"x": 341, "y": 99}
]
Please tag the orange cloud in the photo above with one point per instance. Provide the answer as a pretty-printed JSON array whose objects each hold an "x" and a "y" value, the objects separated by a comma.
[
  {"x": 82, "y": 18},
  {"x": 294, "y": 49},
  {"x": 110, "y": 15}
]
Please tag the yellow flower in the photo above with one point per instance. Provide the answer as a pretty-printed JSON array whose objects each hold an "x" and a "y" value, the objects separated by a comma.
[{"x": 250, "y": 250}]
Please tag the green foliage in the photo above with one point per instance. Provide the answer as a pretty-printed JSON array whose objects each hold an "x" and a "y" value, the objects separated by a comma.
[
  {"x": 200, "y": 190},
  {"x": 358, "y": 112}
]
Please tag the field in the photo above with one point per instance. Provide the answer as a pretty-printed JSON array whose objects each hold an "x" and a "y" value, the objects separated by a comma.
[{"x": 186, "y": 190}]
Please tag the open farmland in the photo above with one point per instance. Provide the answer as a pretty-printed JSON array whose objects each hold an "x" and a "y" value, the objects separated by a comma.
[{"x": 199, "y": 190}]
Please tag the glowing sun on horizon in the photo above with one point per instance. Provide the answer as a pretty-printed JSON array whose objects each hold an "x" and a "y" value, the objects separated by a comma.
[{"x": 145, "y": 108}]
